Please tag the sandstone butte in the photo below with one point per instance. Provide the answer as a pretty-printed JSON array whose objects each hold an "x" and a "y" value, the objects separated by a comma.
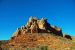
[
  {"x": 38, "y": 32},
  {"x": 34, "y": 25}
]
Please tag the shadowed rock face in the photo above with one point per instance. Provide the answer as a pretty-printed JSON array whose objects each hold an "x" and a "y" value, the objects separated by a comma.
[
  {"x": 34, "y": 25},
  {"x": 56, "y": 31}
]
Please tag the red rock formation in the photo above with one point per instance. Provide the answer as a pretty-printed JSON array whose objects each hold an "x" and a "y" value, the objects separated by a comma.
[{"x": 34, "y": 25}]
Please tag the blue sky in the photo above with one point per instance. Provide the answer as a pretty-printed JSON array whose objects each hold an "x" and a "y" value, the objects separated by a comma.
[{"x": 15, "y": 13}]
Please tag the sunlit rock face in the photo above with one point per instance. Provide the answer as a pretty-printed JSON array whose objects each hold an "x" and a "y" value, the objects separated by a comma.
[{"x": 35, "y": 25}]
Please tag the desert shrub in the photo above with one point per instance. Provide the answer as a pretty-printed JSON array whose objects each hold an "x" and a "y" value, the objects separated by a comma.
[
  {"x": 44, "y": 48},
  {"x": 38, "y": 48}
]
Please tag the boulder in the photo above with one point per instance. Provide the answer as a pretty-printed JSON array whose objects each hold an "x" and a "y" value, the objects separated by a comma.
[{"x": 67, "y": 36}]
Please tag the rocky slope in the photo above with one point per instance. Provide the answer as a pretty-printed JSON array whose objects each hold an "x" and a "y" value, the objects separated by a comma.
[{"x": 38, "y": 34}]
